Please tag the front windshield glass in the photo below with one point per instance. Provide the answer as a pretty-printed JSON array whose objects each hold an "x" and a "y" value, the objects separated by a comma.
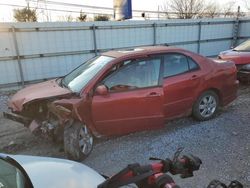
[
  {"x": 10, "y": 176},
  {"x": 245, "y": 46},
  {"x": 78, "y": 78}
]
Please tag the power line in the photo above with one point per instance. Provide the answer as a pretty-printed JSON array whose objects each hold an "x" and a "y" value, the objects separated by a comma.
[
  {"x": 57, "y": 10},
  {"x": 75, "y": 5},
  {"x": 70, "y": 11},
  {"x": 93, "y": 7}
]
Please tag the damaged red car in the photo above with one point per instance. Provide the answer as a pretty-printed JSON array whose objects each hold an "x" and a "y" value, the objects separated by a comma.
[{"x": 120, "y": 92}]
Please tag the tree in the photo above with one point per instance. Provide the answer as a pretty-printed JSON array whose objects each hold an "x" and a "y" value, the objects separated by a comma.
[
  {"x": 228, "y": 9},
  {"x": 25, "y": 15},
  {"x": 69, "y": 18},
  {"x": 101, "y": 18},
  {"x": 82, "y": 17},
  {"x": 212, "y": 11},
  {"x": 187, "y": 9},
  {"x": 166, "y": 11}
]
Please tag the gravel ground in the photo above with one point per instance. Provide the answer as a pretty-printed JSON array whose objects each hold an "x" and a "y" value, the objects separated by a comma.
[{"x": 223, "y": 144}]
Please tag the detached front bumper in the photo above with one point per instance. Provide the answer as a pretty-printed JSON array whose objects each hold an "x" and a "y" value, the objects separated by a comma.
[{"x": 16, "y": 117}]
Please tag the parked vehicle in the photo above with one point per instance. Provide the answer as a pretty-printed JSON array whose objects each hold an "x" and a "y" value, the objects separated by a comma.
[
  {"x": 19, "y": 171},
  {"x": 240, "y": 55},
  {"x": 120, "y": 92}
]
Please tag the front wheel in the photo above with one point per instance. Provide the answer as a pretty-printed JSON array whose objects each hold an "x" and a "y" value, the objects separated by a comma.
[
  {"x": 78, "y": 141},
  {"x": 206, "y": 106}
]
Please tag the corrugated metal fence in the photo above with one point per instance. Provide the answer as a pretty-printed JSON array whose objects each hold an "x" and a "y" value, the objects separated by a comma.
[{"x": 36, "y": 51}]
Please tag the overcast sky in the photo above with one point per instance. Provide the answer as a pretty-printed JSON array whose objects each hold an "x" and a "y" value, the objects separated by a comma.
[{"x": 6, "y": 13}]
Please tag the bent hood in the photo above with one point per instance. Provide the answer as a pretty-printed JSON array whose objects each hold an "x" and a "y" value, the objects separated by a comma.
[
  {"x": 37, "y": 91},
  {"x": 58, "y": 173}
]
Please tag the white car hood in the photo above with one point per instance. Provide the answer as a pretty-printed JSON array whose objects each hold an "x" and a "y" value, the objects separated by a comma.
[{"x": 58, "y": 173}]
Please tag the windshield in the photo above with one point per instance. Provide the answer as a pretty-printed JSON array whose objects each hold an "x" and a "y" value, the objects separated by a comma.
[
  {"x": 78, "y": 78},
  {"x": 10, "y": 176},
  {"x": 245, "y": 46}
]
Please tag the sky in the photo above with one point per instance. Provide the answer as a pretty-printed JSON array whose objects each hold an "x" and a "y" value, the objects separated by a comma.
[{"x": 6, "y": 12}]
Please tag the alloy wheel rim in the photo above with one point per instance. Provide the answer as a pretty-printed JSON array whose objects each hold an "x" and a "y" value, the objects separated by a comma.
[
  {"x": 85, "y": 140},
  {"x": 207, "y": 106}
]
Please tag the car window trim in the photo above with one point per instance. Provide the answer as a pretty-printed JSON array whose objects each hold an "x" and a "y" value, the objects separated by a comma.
[{"x": 135, "y": 89}]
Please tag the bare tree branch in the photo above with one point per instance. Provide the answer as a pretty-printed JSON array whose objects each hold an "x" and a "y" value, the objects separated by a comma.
[
  {"x": 247, "y": 4},
  {"x": 228, "y": 9},
  {"x": 187, "y": 9}
]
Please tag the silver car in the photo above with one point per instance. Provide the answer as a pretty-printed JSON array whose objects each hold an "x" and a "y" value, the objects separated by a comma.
[{"x": 19, "y": 171}]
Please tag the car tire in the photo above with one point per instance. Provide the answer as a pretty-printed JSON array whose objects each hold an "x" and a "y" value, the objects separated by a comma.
[
  {"x": 78, "y": 141},
  {"x": 206, "y": 106}
]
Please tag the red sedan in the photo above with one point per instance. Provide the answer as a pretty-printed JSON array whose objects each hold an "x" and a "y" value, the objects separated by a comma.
[
  {"x": 240, "y": 55},
  {"x": 120, "y": 92}
]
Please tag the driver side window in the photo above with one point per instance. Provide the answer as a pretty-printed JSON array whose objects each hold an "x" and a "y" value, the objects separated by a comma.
[{"x": 134, "y": 75}]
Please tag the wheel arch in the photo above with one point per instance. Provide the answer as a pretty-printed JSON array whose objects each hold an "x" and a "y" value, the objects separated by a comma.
[{"x": 214, "y": 89}]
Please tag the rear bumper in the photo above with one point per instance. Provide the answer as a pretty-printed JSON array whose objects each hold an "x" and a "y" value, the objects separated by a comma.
[
  {"x": 17, "y": 118},
  {"x": 232, "y": 94}
]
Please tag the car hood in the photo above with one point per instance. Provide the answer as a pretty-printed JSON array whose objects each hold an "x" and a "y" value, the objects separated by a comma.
[
  {"x": 229, "y": 52},
  {"x": 58, "y": 173},
  {"x": 37, "y": 91},
  {"x": 234, "y": 53}
]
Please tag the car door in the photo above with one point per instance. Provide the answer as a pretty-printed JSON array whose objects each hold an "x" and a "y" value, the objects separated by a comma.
[
  {"x": 134, "y": 100},
  {"x": 182, "y": 77}
]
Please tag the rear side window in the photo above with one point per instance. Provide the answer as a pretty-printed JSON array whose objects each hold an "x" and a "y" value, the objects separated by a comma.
[
  {"x": 192, "y": 64},
  {"x": 175, "y": 64}
]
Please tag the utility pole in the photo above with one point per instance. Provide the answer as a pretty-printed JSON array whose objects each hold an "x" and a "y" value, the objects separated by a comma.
[
  {"x": 28, "y": 7},
  {"x": 158, "y": 12},
  {"x": 28, "y": 4},
  {"x": 236, "y": 28},
  {"x": 42, "y": 5}
]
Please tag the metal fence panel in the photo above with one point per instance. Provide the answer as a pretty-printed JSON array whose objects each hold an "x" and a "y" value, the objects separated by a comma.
[
  {"x": 50, "y": 67},
  {"x": 9, "y": 72},
  {"x": 244, "y": 30},
  {"x": 46, "y": 50}
]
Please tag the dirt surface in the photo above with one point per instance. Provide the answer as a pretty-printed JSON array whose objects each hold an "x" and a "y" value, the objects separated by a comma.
[{"x": 223, "y": 144}]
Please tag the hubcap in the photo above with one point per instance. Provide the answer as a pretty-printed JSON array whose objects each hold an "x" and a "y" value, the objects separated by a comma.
[
  {"x": 85, "y": 140},
  {"x": 207, "y": 106}
]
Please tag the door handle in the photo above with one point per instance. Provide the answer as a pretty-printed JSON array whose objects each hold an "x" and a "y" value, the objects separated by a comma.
[
  {"x": 194, "y": 77},
  {"x": 153, "y": 94}
]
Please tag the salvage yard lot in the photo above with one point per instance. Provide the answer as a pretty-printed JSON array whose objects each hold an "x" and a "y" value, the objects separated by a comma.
[{"x": 222, "y": 143}]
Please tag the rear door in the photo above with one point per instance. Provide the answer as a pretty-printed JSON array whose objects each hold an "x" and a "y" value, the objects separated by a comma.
[
  {"x": 134, "y": 101},
  {"x": 182, "y": 77}
]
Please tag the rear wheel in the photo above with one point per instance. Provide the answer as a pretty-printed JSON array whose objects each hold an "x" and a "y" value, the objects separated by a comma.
[
  {"x": 206, "y": 106},
  {"x": 78, "y": 141}
]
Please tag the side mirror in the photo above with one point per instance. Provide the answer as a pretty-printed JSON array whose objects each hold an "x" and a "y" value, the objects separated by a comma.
[{"x": 101, "y": 90}]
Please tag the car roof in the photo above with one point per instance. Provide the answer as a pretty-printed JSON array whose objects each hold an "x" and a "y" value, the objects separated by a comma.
[{"x": 145, "y": 50}]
